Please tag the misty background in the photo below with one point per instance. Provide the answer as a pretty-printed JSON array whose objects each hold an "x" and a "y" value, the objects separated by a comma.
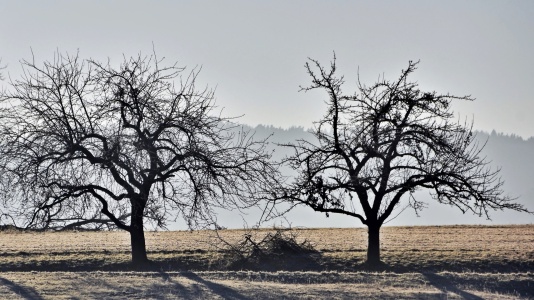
[
  {"x": 253, "y": 54},
  {"x": 510, "y": 153}
]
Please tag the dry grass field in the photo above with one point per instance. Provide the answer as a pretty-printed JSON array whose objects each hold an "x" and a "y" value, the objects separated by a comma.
[{"x": 448, "y": 262}]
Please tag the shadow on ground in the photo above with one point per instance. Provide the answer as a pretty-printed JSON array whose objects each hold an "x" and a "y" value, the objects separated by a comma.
[
  {"x": 450, "y": 282},
  {"x": 445, "y": 285},
  {"x": 23, "y": 292},
  {"x": 301, "y": 261},
  {"x": 193, "y": 284}
]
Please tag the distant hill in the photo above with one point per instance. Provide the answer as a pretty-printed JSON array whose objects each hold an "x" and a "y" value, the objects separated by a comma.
[{"x": 512, "y": 154}]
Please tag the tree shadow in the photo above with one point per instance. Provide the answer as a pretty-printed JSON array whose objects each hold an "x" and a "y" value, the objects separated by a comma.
[
  {"x": 520, "y": 287},
  {"x": 22, "y": 291},
  {"x": 157, "y": 290},
  {"x": 445, "y": 285},
  {"x": 274, "y": 263},
  {"x": 219, "y": 289}
]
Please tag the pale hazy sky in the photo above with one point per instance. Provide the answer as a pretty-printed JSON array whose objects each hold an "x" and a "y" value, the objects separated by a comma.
[{"x": 254, "y": 51}]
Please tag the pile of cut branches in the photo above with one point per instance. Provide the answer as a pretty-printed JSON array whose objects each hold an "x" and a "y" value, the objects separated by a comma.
[{"x": 280, "y": 249}]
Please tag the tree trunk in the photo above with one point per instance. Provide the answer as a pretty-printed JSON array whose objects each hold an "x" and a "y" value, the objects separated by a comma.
[
  {"x": 373, "y": 245},
  {"x": 137, "y": 237}
]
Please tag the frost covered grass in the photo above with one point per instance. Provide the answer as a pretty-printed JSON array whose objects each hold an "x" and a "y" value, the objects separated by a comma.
[{"x": 463, "y": 262}]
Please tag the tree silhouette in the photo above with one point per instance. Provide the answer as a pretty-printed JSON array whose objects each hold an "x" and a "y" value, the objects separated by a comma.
[
  {"x": 86, "y": 143},
  {"x": 377, "y": 147}
]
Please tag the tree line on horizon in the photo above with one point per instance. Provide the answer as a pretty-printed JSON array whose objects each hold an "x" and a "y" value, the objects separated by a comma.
[
  {"x": 84, "y": 142},
  {"x": 266, "y": 129}
]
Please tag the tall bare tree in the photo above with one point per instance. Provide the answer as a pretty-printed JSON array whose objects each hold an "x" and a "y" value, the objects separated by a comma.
[
  {"x": 375, "y": 148},
  {"x": 85, "y": 142}
]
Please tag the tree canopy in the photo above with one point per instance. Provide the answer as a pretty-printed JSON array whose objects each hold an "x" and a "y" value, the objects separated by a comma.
[
  {"x": 378, "y": 146},
  {"x": 85, "y": 142}
]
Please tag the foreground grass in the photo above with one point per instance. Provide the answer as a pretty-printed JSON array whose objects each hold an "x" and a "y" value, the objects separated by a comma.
[
  {"x": 262, "y": 285},
  {"x": 464, "y": 262}
]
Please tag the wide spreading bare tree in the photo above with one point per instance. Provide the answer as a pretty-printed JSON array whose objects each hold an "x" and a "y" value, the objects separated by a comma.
[
  {"x": 376, "y": 147},
  {"x": 84, "y": 142}
]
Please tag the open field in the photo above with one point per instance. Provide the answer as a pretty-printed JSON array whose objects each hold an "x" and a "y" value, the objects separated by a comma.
[{"x": 449, "y": 262}]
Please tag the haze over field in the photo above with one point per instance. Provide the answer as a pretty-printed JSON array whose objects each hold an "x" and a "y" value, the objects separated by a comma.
[
  {"x": 253, "y": 53},
  {"x": 511, "y": 153}
]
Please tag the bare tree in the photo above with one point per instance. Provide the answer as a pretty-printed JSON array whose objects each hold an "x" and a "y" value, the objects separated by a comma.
[
  {"x": 377, "y": 147},
  {"x": 84, "y": 143},
  {"x": 1, "y": 69}
]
